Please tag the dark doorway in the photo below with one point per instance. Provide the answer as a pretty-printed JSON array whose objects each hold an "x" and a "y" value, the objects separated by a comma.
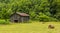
[{"x": 16, "y": 21}]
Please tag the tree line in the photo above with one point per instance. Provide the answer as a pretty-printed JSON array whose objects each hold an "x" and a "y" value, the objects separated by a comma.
[{"x": 41, "y": 10}]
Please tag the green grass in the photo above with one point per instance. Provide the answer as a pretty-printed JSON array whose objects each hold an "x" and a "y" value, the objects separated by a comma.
[{"x": 35, "y": 27}]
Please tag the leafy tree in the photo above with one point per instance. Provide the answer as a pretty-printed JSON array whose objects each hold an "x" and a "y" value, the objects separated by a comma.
[{"x": 37, "y": 9}]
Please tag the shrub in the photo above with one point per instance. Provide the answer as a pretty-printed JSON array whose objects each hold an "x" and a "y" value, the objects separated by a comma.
[
  {"x": 4, "y": 22},
  {"x": 44, "y": 18}
]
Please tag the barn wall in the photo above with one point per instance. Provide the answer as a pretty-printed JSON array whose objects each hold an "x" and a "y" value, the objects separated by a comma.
[
  {"x": 24, "y": 19},
  {"x": 15, "y": 17}
]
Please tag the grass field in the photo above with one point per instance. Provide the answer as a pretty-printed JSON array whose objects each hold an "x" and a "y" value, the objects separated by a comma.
[{"x": 35, "y": 27}]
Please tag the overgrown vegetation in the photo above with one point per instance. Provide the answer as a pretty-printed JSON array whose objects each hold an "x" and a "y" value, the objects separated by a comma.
[
  {"x": 4, "y": 22},
  {"x": 41, "y": 10}
]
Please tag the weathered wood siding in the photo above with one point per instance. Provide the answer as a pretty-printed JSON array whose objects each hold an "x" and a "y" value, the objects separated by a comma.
[
  {"x": 14, "y": 17},
  {"x": 19, "y": 18},
  {"x": 24, "y": 19}
]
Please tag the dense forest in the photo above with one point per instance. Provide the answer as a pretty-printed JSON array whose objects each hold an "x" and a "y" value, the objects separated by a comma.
[{"x": 41, "y": 10}]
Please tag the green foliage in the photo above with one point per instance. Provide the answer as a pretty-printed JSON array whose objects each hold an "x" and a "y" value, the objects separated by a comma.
[
  {"x": 45, "y": 18},
  {"x": 4, "y": 22},
  {"x": 37, "y": 9}
]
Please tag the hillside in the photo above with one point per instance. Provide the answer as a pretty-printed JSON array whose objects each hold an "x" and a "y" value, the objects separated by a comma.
[{"x": 41, "y": 10}]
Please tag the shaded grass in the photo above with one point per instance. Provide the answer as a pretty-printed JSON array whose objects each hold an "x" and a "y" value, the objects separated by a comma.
[{"x": 35, "y": 27}]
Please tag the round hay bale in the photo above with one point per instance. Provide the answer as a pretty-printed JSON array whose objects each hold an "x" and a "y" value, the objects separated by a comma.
[{"x": 51, "y": 27}]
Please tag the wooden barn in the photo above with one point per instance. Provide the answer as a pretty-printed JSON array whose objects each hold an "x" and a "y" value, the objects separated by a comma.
[{"x": 19, "y": 17}]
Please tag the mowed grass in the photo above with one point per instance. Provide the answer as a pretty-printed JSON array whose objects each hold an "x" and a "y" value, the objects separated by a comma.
[{"x": 35, "y": 27}]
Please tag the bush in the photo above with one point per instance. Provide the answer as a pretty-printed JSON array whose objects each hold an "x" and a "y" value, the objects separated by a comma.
[
  {"x": 47, "y": 19},
  {"x": 44, "y": 18},
  {"x": 4, "y": 22}
]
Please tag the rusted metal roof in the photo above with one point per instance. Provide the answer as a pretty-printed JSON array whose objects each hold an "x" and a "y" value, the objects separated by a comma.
[{"x": 22, "y": 14}]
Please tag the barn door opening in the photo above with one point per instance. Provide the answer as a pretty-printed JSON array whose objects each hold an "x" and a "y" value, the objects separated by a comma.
[{"x": 16, "y": 21}]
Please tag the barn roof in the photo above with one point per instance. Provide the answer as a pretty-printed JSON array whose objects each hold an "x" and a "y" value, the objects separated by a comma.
[{"x": 22, "y": 14}]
